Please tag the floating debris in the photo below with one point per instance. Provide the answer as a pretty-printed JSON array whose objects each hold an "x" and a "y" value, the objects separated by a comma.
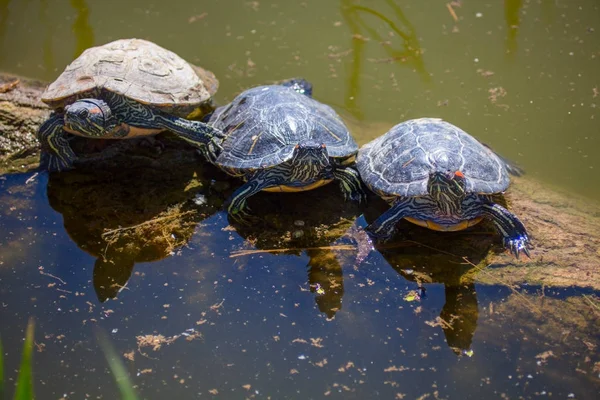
[
  {"x": 200, "y": 199},
  {"x": 468, "y": 353},
  {"x": 413, "y": 295},
  {"x": 320, "y": 289}
]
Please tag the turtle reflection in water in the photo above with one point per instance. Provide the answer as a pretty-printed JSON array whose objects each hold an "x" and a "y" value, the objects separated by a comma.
[
  {"x": 293, "y": 225},
  {"x": 123, "y": 89},
  {"x": 424, "y": 259},
  {"x": 438, "y": 176},
  {"x": 143, "y": 213},
  {"x": 458, "y": 318},
  {"x": 279, "y": 139}
]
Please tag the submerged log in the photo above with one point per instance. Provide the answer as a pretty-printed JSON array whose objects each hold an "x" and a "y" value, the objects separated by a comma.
[{"x": 565, "y": 229}]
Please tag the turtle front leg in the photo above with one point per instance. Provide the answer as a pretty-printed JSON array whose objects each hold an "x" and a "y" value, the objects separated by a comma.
[
  {"x": 384, "y": 227},
  {"x": 510, "y": 227},
  {"x": 200, "y": 135},
  {"x": 238, "y": 208},
  {"x": 351, "y": 184},
  {"x": 57, "y": 154}
]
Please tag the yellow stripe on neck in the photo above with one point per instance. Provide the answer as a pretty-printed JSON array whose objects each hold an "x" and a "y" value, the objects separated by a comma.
[
  {"x": 310, "y": 186},
  {"x": 445, "y": 228}
]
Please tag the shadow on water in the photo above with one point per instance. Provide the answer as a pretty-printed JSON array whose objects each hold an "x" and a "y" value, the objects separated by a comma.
[
  {"x": 142, "y": 213},
  {"x": 310, "y": 223},
  {"x": 81, "y": 27},
  {"x": 408, "y": 52},
  {"x": 450, "y": 258}
]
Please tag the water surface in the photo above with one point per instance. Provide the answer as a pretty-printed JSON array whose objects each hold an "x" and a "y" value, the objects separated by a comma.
[{"x": 202, "y": 311}]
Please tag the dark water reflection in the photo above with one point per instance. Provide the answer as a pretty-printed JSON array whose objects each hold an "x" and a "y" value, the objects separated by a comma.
[
  {"x": 310, "y": 227},
  {"x": 128, "y": 216},
  {"x": 450, "y": 259},
  {"x": 388, "y": 25},
  {"x": 512, "y": 10},
  {"x": 82, "y": 29},
  {"x": 278, "y": 309}
]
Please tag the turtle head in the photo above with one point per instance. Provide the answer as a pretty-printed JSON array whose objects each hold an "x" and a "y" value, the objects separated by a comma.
[
  {"x": 311, "y": 160},
  {"x": 90, "y": 117},
  {"x": 447, "y": 186}
]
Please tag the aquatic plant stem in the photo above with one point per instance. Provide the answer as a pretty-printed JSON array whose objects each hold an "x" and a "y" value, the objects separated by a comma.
[
  {"x": 24, "y": 389},
  {"x": 249, "y": 252},
  {"x": 117, "y": 368}
]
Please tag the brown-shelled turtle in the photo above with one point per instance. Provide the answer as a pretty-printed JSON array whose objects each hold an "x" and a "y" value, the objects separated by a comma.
[
  {"x": 438, "y": 176},
  {"x": 124, "y": 89},
  {"x": 278, "y": 138}
]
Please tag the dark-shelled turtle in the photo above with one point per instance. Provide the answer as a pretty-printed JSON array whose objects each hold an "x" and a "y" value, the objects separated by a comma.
[
  {"x": 438, "y": 176},
  {"x": 277, "y": 138}
]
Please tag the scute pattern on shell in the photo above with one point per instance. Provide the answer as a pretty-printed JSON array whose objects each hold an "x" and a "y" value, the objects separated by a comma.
[
  {"x": 399, "y": 162},
  {"x": 137, "y": 69},
  {"x": 263, "y": 124}
]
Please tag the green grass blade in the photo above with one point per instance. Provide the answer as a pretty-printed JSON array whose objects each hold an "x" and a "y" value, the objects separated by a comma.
[
  {"x": 1, "y": 371},
  {"x": 117, "y": 368},
  {"x": 25, "y": 379}
]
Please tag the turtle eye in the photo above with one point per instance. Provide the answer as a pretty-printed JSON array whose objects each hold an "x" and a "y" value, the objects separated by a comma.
[{"x": 83, "y": 113}]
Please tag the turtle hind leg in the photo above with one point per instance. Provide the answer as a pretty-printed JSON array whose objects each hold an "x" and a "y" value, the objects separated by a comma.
[
  {"x": 510, "y": 227},
  {"x": 238, "y": 209},
  {"x": 350, "y": 183},
  {"x": 198, "y": 134},
  {"x": 384, "y": 227},
  {"x": 57, "y": 154}
]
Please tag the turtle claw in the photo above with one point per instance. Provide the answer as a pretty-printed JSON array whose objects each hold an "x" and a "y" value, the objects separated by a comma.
[
  {"x": 381, "y": 233},
  {"x": 358, "y": 196},
  {"x": 216, "y": 143},
  {"x": 518, "y": 244},
  {"x": 54, "y": 163},
  {"x": 364, "y": 243},
  {"x": 244, "y": 218},
  {"x": 379, "y": 238},
  {"x": 242, "y": 215}
]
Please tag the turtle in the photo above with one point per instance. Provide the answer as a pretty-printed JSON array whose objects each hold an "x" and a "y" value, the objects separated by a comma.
[
  {"x": 123, "y": 89},
  {"x": 279, "y": 139},
  {"x": 436, "y": 175}
]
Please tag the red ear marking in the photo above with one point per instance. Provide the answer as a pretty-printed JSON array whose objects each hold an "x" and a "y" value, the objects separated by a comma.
[
  {"x": 323, "y": 145},
  {"x": 95, "y": 110},
  {"x": 459, "y": 174},
  {"x": 297, "y": 146}
]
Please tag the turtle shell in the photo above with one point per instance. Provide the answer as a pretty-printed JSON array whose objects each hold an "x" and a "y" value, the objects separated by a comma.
[
  {"x": 137, "y": 69},
  {"x": 400, "y": 162},
  {"x": 263, "y": 125}
]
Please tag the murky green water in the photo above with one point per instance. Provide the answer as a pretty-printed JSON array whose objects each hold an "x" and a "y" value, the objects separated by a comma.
[
  {"x": 379, "y": 61},
  {"x": 305, "y": 323}
]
